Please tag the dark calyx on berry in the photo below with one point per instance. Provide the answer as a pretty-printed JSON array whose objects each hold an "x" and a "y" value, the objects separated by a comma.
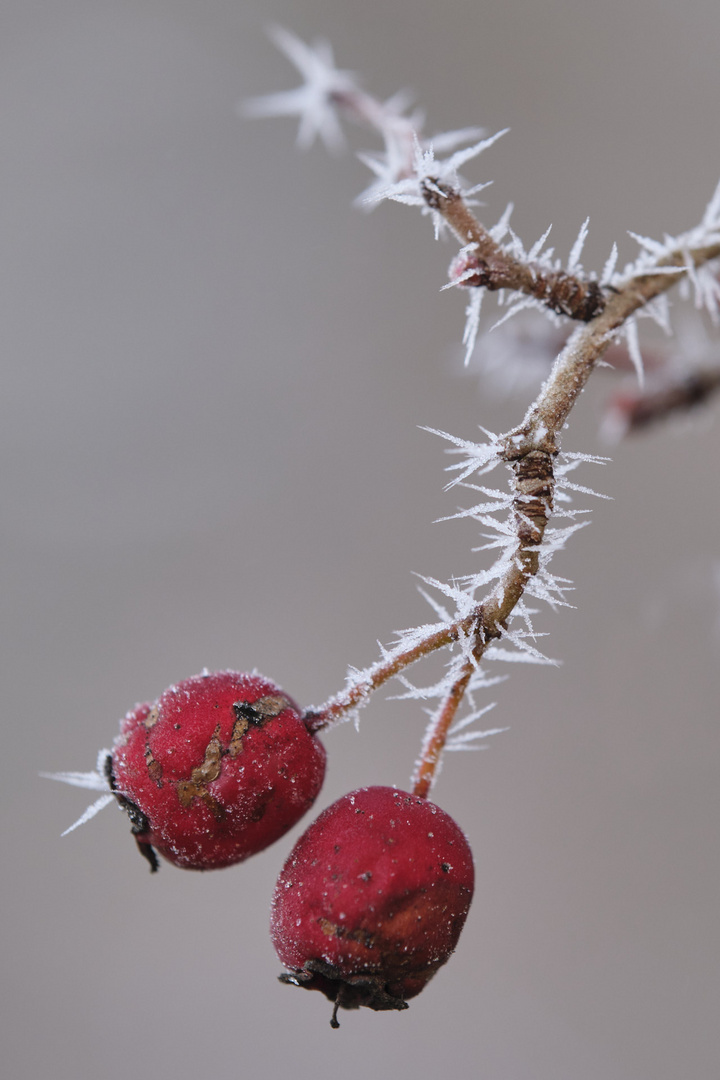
[
  {"x": 218, "y": 768},
  {"x": 139, "y": 824},
  {"x": 372, "y": 899}
]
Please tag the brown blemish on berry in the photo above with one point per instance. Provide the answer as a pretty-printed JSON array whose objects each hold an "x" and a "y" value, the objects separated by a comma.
[
  {"x": 257, "y": 714},
  {"x": 271, "y": 706},
  {"x": 154, "y": 766},
  {"x": 236, "y": 742},
  {"x": 331, "y": 929},
  {"x": 265, "y": 708},
  {"x": 215, "y": 808},
  {"x": 200, "y": 777}
]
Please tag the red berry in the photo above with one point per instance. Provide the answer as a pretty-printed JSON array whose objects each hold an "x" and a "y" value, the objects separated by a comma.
[
  {"x": 216, "y": 770},
  {"x": 372, "y": 899}
]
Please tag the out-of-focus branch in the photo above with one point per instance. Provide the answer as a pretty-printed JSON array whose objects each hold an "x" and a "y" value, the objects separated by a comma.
[{"x": 630, "y": 412}]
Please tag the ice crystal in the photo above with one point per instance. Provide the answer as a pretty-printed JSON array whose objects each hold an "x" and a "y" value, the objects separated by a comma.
[
  {"x": 315, "y": 100},
  {"x": 397, "y": 162},
  {"x": 91, "y": 781},
  {"x": 632, "y": 340},
  {"x": 661, "y": 257},
  {"x": 543, "y": 261},
  {"x": 479, "y": 458},
  {"x": 472, "y": 322},
  {"x": 573, "y": 265},
  {"x": 609, "y": 267},
  {"x": 435, "y": 175}
]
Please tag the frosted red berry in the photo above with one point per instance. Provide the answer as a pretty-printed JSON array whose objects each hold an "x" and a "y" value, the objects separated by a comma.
[
  {"x": 219, "y": 767},
  {"x": 372, "y": 899}
]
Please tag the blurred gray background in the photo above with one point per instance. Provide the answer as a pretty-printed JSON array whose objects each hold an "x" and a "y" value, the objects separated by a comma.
[{"x": 214, "y": 369}]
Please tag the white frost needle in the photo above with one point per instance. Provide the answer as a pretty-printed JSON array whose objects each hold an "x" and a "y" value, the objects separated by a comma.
[
  {"x": 633, "y": 346},
  {"x": 427, "y": 169},
  {"x": 314, "y": 100},
  {"x": 516, "y": 307},
  {"x": 609, "y": 267},
  {"x": 91, "y": 781},
  {"x": 459, "y": 741},
  {"x": 472, "y": 322},
  {"x": 448, "y": 140},
  {"x": 653, "y": 247},
  {"x": 91, "y": 811},
  {"x": 496, "y": 652},
  {"x": 466, "y": 721},
  {"x": 574, "y": 260},
  {"x": 590, "y": 459},
  {"x": 583, "y": 490},
  {"x": 537, "y": 247},
  {"x": 439, "y": 609}
]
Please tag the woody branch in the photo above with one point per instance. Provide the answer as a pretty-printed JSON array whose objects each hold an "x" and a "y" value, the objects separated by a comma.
[
  {"x": 408, "y": 171},
  {"x": 529, "y": 450}
]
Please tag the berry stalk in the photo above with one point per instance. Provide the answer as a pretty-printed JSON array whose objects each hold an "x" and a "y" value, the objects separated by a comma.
[{"x": 426, "y": 767}]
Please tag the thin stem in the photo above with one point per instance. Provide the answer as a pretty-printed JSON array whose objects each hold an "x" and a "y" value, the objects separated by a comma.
[
  {"x": 495, "y": 269},
  {"x": 437, "y": 732},
  {"x": 356, "y": 695}
]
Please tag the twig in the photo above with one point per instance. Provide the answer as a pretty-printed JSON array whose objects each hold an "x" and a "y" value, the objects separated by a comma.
[
  {"x": 529, "y": 450},
  {"x": 629, "y": 413},
  {"x": 409, "y": 172},
  {"x": 436, "y": 736},
  {"x": 493, "y": 268}
]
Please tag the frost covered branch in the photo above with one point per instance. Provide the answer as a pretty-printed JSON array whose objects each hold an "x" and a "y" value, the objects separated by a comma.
[
  {"x": 484, "y": 264},
  {"x": 408, "y": 171},
  {"x": 492, "y": 259},
  {"x": 531, "y": 451}
]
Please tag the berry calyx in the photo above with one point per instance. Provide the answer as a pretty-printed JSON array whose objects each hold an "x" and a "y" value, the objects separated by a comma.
[
  {"x": 372, "y": 899},
  {"x": 218, "y": 768}
]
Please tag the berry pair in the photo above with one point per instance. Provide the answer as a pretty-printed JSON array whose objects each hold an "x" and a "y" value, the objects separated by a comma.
[{"x": 373, "y": 897}]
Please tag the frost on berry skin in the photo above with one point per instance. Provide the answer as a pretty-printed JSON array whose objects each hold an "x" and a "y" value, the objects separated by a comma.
[
  {"x": 216, "y": 770},
  {"x": 372, "y": 899}
]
